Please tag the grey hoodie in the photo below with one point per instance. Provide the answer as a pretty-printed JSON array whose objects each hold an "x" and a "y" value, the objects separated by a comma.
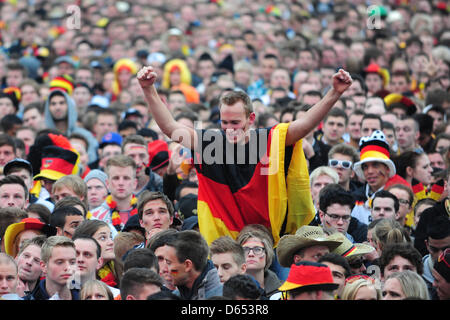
[{"x": 72, "y": 116}]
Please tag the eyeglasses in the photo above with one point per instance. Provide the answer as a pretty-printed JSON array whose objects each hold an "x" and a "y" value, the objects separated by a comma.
[
  {"x": 404, "y": 202},
  {"x": 257, "y": 251},
  {"x": 336, "y": 217},
  {"x": 334, "y": 163}
]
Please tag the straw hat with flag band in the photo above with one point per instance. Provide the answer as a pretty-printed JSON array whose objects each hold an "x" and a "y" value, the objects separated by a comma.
[
  {"x": 349, "y": 249},
  {"x": 305, "y": 236},
  {"x": 57, "y": 163},
  {"x": 14, "y": 229},
  {"x": 309, "y": 274},
  {"x": 374, "y": 148}
]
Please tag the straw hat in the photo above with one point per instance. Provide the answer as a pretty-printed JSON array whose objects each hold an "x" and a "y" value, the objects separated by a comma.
[
  {"x": 349, "y": 249},
  {"x": 306, "y": 236}
]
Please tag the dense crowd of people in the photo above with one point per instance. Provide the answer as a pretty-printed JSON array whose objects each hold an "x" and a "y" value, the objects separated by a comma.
[{"x": 224, "y": 150}]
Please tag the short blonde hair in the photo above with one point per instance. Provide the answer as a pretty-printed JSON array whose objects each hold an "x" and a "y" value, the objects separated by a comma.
[
  {"x": 121, "y": 161},
  {"x": 72, "y": 182},
  {"x": 90, "y": 285},
  {"x": 54, "y": 241},
  {"x": 323, "y": 170}
]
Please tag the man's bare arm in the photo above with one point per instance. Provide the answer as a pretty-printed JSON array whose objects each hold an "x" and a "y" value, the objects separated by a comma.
[
  {"x": 301, "y": 127},
  {"x": 159, "y": 111}
]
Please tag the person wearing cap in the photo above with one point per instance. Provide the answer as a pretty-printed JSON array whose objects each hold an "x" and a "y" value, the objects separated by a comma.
[
  {"x": 309, "y": 281},
  {"x": 60, "y": 113},
  {"x": 437, "y": 240},
  {"x": 376, "y": 169},
  {"x": 65, "y": 65},
  {"x": 134, "y": 115},
  {"x": 354, "y": 253},
  {"x": 56, "y": 162},
  {"x": 159, "y": 157},
  {"x": 308, "y": 244},
  {"x": 441, "y": 273},
  {"x": 97, "y": 190},
  {"x": 23, "y": 169},
  {"x": 110, "y": 146}
]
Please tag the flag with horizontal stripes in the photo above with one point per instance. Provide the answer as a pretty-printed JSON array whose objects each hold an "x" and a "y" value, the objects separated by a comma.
[{"x": 274, "y": 191}]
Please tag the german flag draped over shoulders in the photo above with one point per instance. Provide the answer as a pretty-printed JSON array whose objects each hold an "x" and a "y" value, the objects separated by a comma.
[{"x": 273, "y": 190}]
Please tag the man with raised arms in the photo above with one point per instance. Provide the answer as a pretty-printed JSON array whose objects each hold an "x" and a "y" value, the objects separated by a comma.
[{"x": 265, "y": 181}]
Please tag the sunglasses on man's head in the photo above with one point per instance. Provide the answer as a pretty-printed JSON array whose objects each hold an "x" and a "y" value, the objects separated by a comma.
[
  {"x": 343, "y": 163},
  {"x": 356, "y": 263}
]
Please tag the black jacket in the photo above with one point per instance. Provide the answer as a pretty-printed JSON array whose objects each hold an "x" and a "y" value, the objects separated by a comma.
[{"x": 40, "y": 293}]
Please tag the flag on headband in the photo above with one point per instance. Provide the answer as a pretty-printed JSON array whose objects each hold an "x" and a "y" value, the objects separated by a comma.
[
  {"x": 275, "y": 193},
  {"x": 435, "y": 192}
]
